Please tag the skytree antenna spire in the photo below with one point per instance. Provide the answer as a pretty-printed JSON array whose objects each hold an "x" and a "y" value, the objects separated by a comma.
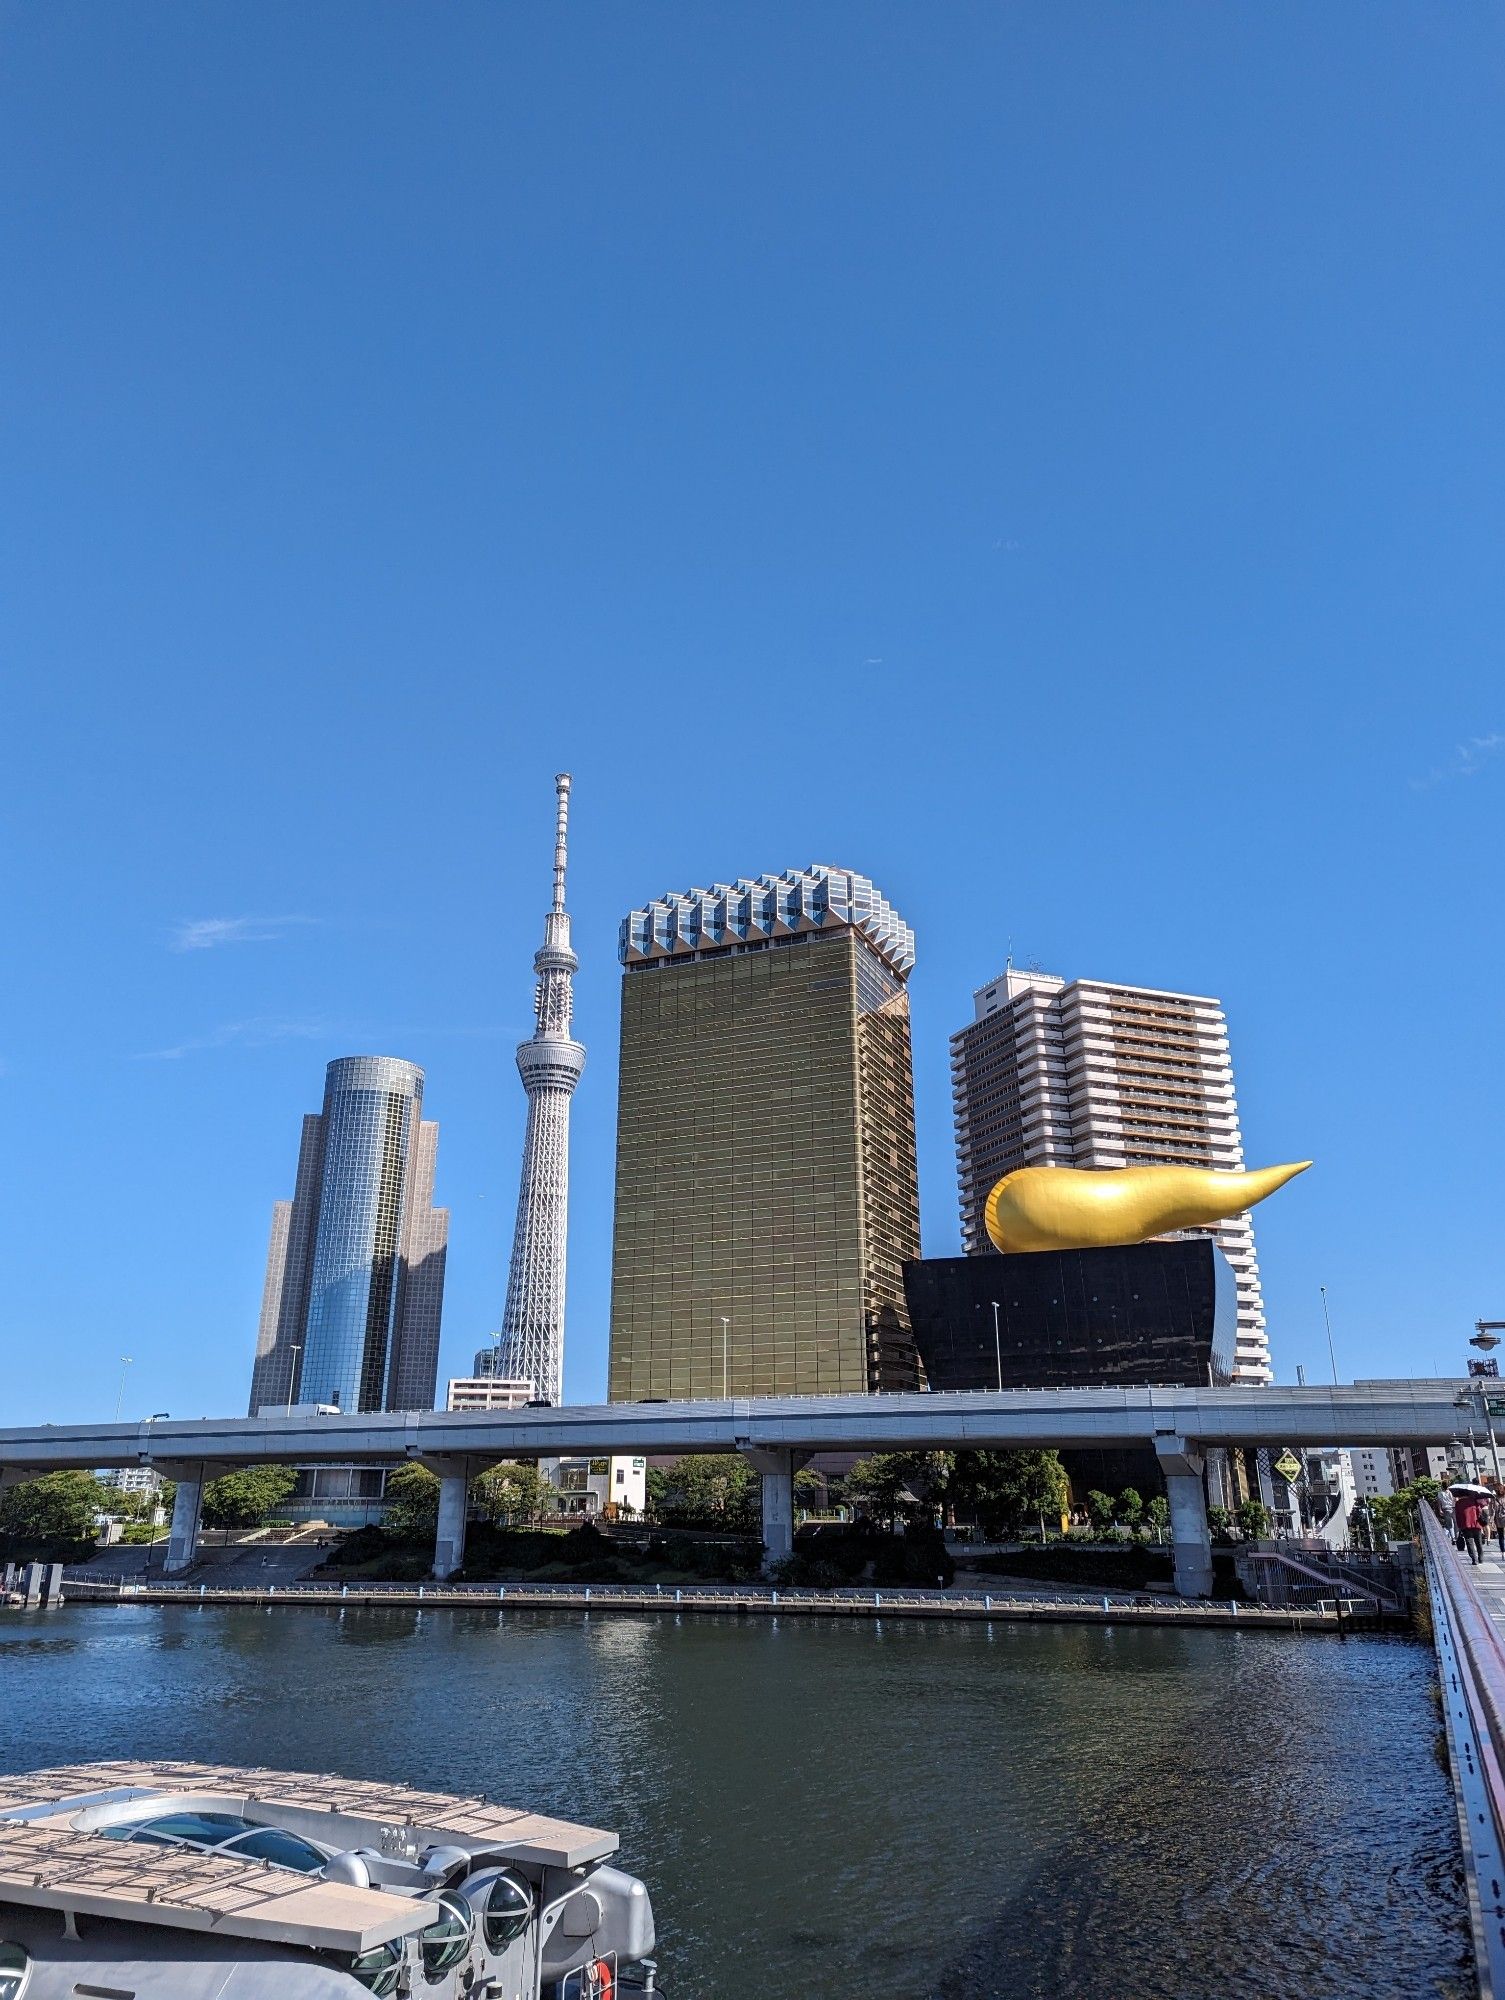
[{"x": 532, "y": 1337}]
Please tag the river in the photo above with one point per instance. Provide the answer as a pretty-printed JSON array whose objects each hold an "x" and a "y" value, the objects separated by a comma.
[{"x": 905, "y": 1811}]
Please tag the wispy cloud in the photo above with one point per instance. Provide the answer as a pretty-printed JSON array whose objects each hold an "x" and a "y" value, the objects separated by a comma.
[
  {"x": 1467, "y": 760},
  {"x": 258, "y": 1033},
  {"x": 205, "y": 933}
]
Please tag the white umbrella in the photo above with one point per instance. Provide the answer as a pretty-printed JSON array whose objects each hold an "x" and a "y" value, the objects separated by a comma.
[{"x": 1467, "y": 1486}]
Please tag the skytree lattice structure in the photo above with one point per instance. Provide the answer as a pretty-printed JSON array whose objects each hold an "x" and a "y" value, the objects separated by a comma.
[{"x": 532, "y": 1336}]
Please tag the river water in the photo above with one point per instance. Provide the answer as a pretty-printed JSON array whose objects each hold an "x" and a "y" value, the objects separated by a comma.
[{"x": 907, "y": 1811}]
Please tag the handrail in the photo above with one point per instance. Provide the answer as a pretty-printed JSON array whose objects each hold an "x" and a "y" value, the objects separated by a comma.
[{"x": 1471, "y": 1661}]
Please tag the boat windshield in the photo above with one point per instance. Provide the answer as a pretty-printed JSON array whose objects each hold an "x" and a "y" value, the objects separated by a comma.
[{"x": 223, "y": 1833}]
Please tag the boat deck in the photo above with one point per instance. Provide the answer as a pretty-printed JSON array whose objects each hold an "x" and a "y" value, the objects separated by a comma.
[{"x": 474, "y": 1823}]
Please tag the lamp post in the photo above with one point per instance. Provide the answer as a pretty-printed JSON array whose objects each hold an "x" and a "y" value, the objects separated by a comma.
[
  {"x": 725, "y": 1323},
  {"x": 998, "y": 1354},
  {"x": 294, "y": 1350},
  {"x": 125, "y": 1362},
  {"x": 1327, "y": 1322}
]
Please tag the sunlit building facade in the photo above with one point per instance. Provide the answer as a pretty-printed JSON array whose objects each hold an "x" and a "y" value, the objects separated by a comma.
[
  {"x": 1089, "y": 1074},
  {"x": 767, "y": 1191},
  {"x": 355, "y": 1272}
]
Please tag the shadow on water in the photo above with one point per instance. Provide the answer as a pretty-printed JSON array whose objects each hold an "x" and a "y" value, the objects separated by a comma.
[{"x": 908, "y": 1811}]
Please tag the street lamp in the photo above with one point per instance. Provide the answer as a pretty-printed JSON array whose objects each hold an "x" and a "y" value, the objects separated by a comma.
[
  {"x": 998, "y": 1358},
  {"x": 1327, "y": 1322},
  {"x": 292, "y": 1374},
  {"x": 725, "y": 1323},
  {"x": 125, "y": 1362}
]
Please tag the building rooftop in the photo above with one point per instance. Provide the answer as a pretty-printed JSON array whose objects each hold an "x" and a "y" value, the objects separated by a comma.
[{"x": 761, "y": 910}]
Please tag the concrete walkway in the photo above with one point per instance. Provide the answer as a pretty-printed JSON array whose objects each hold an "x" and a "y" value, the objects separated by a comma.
[{"x": 1489, "y": 1576}]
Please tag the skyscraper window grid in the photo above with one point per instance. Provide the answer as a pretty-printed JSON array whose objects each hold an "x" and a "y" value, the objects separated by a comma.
[
  {"x": 1098, "y": 1075},
  {"x": 765, "y": 1163},
  {"x": 355, "y": 1270}
]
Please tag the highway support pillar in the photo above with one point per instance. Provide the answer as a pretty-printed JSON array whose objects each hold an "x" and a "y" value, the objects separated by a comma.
[
  {"x": 1191, "y": 1543},
  {"x": 777, "y": 1468},
  {"x": 449, "y": 1531},
  {"x": 188, "y": 1502}
]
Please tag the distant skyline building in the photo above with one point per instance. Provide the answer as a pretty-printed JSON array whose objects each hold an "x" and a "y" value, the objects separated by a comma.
[
  {"x": 355, "y": 1270},
  {"x": 1092, "y": 1074},
  {"x": 767, "y": 1193},
  {"x": 486, "y": 1392},
  {"x": 532, "y": 1336}
]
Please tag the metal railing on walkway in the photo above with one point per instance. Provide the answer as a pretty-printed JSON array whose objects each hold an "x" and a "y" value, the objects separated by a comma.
[
  {"x": 1086, "y": 1607},
  {"x": 1471, "y": 1662}
]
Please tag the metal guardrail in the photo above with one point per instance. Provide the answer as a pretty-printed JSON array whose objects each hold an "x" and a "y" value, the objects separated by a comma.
[
  {"x": 1471, "y": 1662},
  {"x": 1095, "y": 1608}
]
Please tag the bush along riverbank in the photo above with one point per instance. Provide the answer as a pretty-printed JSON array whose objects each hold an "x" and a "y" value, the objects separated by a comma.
[
  {"x": 1101, "y": 1568},
  {"x": 496, "y": 1554}
]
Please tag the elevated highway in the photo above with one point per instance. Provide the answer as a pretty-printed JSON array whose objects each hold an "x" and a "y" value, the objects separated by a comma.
[{"x": 776, "y": 1434}]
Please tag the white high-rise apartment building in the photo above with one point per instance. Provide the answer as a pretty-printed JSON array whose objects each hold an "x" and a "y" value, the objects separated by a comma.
[{"x": 1089, "y": 1074}]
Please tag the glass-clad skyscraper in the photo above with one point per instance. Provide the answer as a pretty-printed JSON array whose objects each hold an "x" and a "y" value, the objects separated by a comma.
[
  {"x": 355, "y": 1272},
  {"x": 766, "y": 1183}
]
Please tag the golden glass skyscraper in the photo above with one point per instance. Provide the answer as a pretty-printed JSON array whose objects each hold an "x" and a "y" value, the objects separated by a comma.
[{"x": 767, "y": 1192}]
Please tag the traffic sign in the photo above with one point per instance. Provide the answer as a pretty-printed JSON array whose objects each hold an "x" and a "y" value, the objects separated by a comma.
[{"x": 1288, "y": 1465}]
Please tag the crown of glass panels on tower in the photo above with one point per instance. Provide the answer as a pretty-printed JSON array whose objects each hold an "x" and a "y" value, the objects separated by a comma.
[{"x": 763, "y": 910}]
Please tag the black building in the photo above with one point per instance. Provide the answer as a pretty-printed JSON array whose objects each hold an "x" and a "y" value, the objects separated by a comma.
[
  {"x": 1162, "y": 1313},
  {"x": 1076, "y": 1319}
]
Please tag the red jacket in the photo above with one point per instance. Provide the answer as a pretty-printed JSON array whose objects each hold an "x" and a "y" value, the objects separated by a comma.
[{"x": 1467, "y": 1512}]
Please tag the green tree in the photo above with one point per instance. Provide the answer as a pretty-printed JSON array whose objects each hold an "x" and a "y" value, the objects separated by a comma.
[
  {"x": 412, "y": 1499},
  {"x": 1007, "y": 1491},
  {"x": 714, "y": 1490},
  {"x": 1220, "y": 1521},
  {"x": 1158, "y": 1513},
  {"x": 510, "y": 1493},
  {"x": 1253, "y": 1518},
  {"x": 246, "y": 1499},
  {"x": 897, "y": 1485},
  {"x": 1129, "y": 1507},
  {"x": 59, "y": 1507},
  {"x": 1100, "y": 1509}
]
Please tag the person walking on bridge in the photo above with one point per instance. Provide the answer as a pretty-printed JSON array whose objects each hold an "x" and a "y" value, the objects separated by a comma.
[{"x": 1468, "y": 1515}]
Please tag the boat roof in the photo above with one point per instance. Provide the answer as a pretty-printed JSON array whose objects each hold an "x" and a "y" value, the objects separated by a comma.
[
  {"x": 422, "y": 1816},
  {"x": 46, "y": 1865}
]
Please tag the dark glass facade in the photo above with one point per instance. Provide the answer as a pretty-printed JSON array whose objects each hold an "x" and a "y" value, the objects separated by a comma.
[{"x": 1162, "y": 1313}]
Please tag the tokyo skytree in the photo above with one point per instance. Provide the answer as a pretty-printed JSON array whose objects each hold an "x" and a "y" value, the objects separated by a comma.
[{"x": 532, "y": 1336}]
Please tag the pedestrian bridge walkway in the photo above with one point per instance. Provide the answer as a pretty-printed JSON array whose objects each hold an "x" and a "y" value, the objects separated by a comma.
[{"x": 1468, "y": 1625}]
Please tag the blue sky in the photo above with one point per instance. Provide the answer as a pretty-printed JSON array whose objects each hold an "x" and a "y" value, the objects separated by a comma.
[{"x": 1046, "y": 457}]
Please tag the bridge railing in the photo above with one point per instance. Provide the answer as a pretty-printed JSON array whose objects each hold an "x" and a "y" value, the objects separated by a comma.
[{"x": 1471, "y": 1662}]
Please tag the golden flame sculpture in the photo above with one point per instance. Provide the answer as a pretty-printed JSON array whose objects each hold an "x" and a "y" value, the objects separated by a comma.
[{"x": 1081, "y": 1208}]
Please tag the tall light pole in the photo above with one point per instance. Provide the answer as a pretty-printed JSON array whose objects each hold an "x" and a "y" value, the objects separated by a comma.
[
  {"x": 294, "y": 1349},
  {"x": 1327, "y": 1322},
  {"x": 998, "y": 1356},
  {"x": 125, "y": 1362},
  {"x": 725, "y": 1323}
]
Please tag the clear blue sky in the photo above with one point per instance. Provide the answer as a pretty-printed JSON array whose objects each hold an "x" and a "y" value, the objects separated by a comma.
[{"x": 1045, "y": 456}]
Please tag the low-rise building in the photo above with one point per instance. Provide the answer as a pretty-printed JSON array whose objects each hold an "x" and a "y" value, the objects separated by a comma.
[{"x": 487, "y": 1392}]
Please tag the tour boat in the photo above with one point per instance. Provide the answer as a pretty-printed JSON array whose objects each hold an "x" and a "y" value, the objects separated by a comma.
[{"x": 211, "y": 1882}]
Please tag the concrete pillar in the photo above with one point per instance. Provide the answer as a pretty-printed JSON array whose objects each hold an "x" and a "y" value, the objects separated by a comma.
[
  {"x": 449, "y": 1536},
  {"x": 777, "y": 1469},
  {"x": 1191, "y": 1541},
  {"x": 183, "y": 1536}
]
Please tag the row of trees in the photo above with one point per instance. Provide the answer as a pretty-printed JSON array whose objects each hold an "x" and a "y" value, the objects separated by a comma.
[
  {"x": 1005, "y": 1492},
  {"x": 65, "y": 1507}
]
